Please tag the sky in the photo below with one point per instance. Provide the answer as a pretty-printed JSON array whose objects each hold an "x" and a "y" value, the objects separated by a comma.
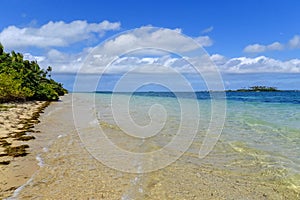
[{"x": 251, "y": 42}]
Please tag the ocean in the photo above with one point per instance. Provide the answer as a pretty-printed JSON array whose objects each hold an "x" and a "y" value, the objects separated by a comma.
[
  {"x": 163, "y": 145},
  {"x": 260, "y": 136}
]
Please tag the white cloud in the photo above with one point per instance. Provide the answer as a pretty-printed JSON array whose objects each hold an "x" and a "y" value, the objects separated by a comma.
[
  {"x": 62, "y": 62},
  {"x": 258, "y": 48},
  {"x": 295, "y": 42},
  {"x": 218, "y": 59},
  {"x": 147, "y": 40},
  {"x": 260, "y": 64},
  {"x": 54, "y": 34},
  {"x": 255, "y": 48},
  {"x": 149, "y": 37},
  {"x": 207, "y": 30},
  {"x": 72, "y": 63},
  {"x": 156, "y": 42},
  {"x": 275, "y": 46},
  {"x": 28, "y": 56},
  {"x": 150, "y": 40},
  {"x": 152, "y": 65},
  {"x": 204, "y": 41},
  {"x": 59, "y": 61},
  {"x": 156, "y": 38}
]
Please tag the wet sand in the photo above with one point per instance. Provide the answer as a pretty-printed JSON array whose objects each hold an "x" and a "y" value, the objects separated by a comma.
[
  {"x": 17, "y": 122},
  {"x": 71, "y": 173},
  {"x": 68, "y": 171}
]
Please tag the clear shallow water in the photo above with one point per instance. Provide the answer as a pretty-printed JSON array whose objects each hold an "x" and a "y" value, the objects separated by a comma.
[
  {"x": 260, "y": 138},
  {"x": 256, "y": 157}
]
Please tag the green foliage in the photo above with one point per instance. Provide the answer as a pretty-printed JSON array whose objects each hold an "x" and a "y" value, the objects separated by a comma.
[
  {"x": 11, "y": 89},
  {"x": 46, "y": 91},
  {"x": 25, "y": 80},
  {"x": 58, "y": 87}
]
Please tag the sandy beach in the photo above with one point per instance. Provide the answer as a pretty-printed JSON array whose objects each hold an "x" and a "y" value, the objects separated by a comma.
[
  {"x": 68, "y": 171},
  {"x": 17, "y": 121}
]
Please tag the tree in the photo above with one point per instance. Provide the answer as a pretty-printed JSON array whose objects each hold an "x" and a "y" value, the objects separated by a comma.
[
  {"x": 11, "y": 89},
  {"x": 24, "y": 80},
  {"x": 49, "y": 70},
  {"x": 1, "y": 49}
]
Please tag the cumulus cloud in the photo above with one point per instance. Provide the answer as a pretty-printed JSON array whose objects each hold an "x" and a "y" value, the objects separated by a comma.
[
  {"x": 59, "y": 61},
  {"x": 157, "y": 43},
  {"x": 145, "y": 41},
  {"x": 258, "y": 48},
  {"x": 156, "y": 38},
  {"x": 62, "y": 62},
  {"x": 204, "y": 41},
  {"x": 218, "y": 59},
  {"x": 295, "y": 42},
  {"x": 153, "y": 65},
  {"x": 54, "y": 34},
  {"x": 73, "y": 63},
  {"x": 260, "y": 64},
  {"x": 149, "y": 37},
  {"x": 254, "y": 48},
  {"x": 152, "y": 49},
  {"x": 275, "y": 46}
]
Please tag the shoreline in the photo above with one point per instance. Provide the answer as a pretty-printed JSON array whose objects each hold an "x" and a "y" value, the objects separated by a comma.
[
  {"x": 67, "y": 168},
  {"x": 17, "y": 164}
]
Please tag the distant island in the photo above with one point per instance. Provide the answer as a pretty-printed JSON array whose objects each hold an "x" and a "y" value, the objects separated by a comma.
[
  {"x": 256, "y": 89},
  {"x": 22, "y": 80}
]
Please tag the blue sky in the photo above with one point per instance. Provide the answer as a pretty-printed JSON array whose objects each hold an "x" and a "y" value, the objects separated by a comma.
[{"x": 251, "y": 41}]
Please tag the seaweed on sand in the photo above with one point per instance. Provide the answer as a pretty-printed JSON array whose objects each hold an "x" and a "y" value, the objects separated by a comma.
[{"x": 17, "y": 151}]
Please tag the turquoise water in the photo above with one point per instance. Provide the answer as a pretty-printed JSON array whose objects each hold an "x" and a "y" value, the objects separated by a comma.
[
  {"x": 260, "y": 136},
  {"x": 255, "y": 157}
]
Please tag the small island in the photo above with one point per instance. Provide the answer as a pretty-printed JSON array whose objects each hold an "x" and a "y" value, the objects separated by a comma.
[{"x": 256, "y": 89}]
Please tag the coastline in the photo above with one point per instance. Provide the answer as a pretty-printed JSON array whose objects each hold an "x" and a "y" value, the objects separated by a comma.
[
  {"x": 68, "y": 171},
  {"x": 17, "y": 122}
]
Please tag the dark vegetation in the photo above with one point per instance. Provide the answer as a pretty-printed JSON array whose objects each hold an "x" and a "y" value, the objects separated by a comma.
[
  {"x": 256, "y": 89},
  {"x": 17, "y": 151},
  {"x": 22, "y": 80}
]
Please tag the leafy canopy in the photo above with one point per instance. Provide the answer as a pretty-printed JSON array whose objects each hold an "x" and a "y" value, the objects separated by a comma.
[{"x": 24, "y": 80}]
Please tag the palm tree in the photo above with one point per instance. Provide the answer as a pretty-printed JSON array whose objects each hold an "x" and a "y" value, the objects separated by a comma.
[{"x": 49, "y": 70}]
